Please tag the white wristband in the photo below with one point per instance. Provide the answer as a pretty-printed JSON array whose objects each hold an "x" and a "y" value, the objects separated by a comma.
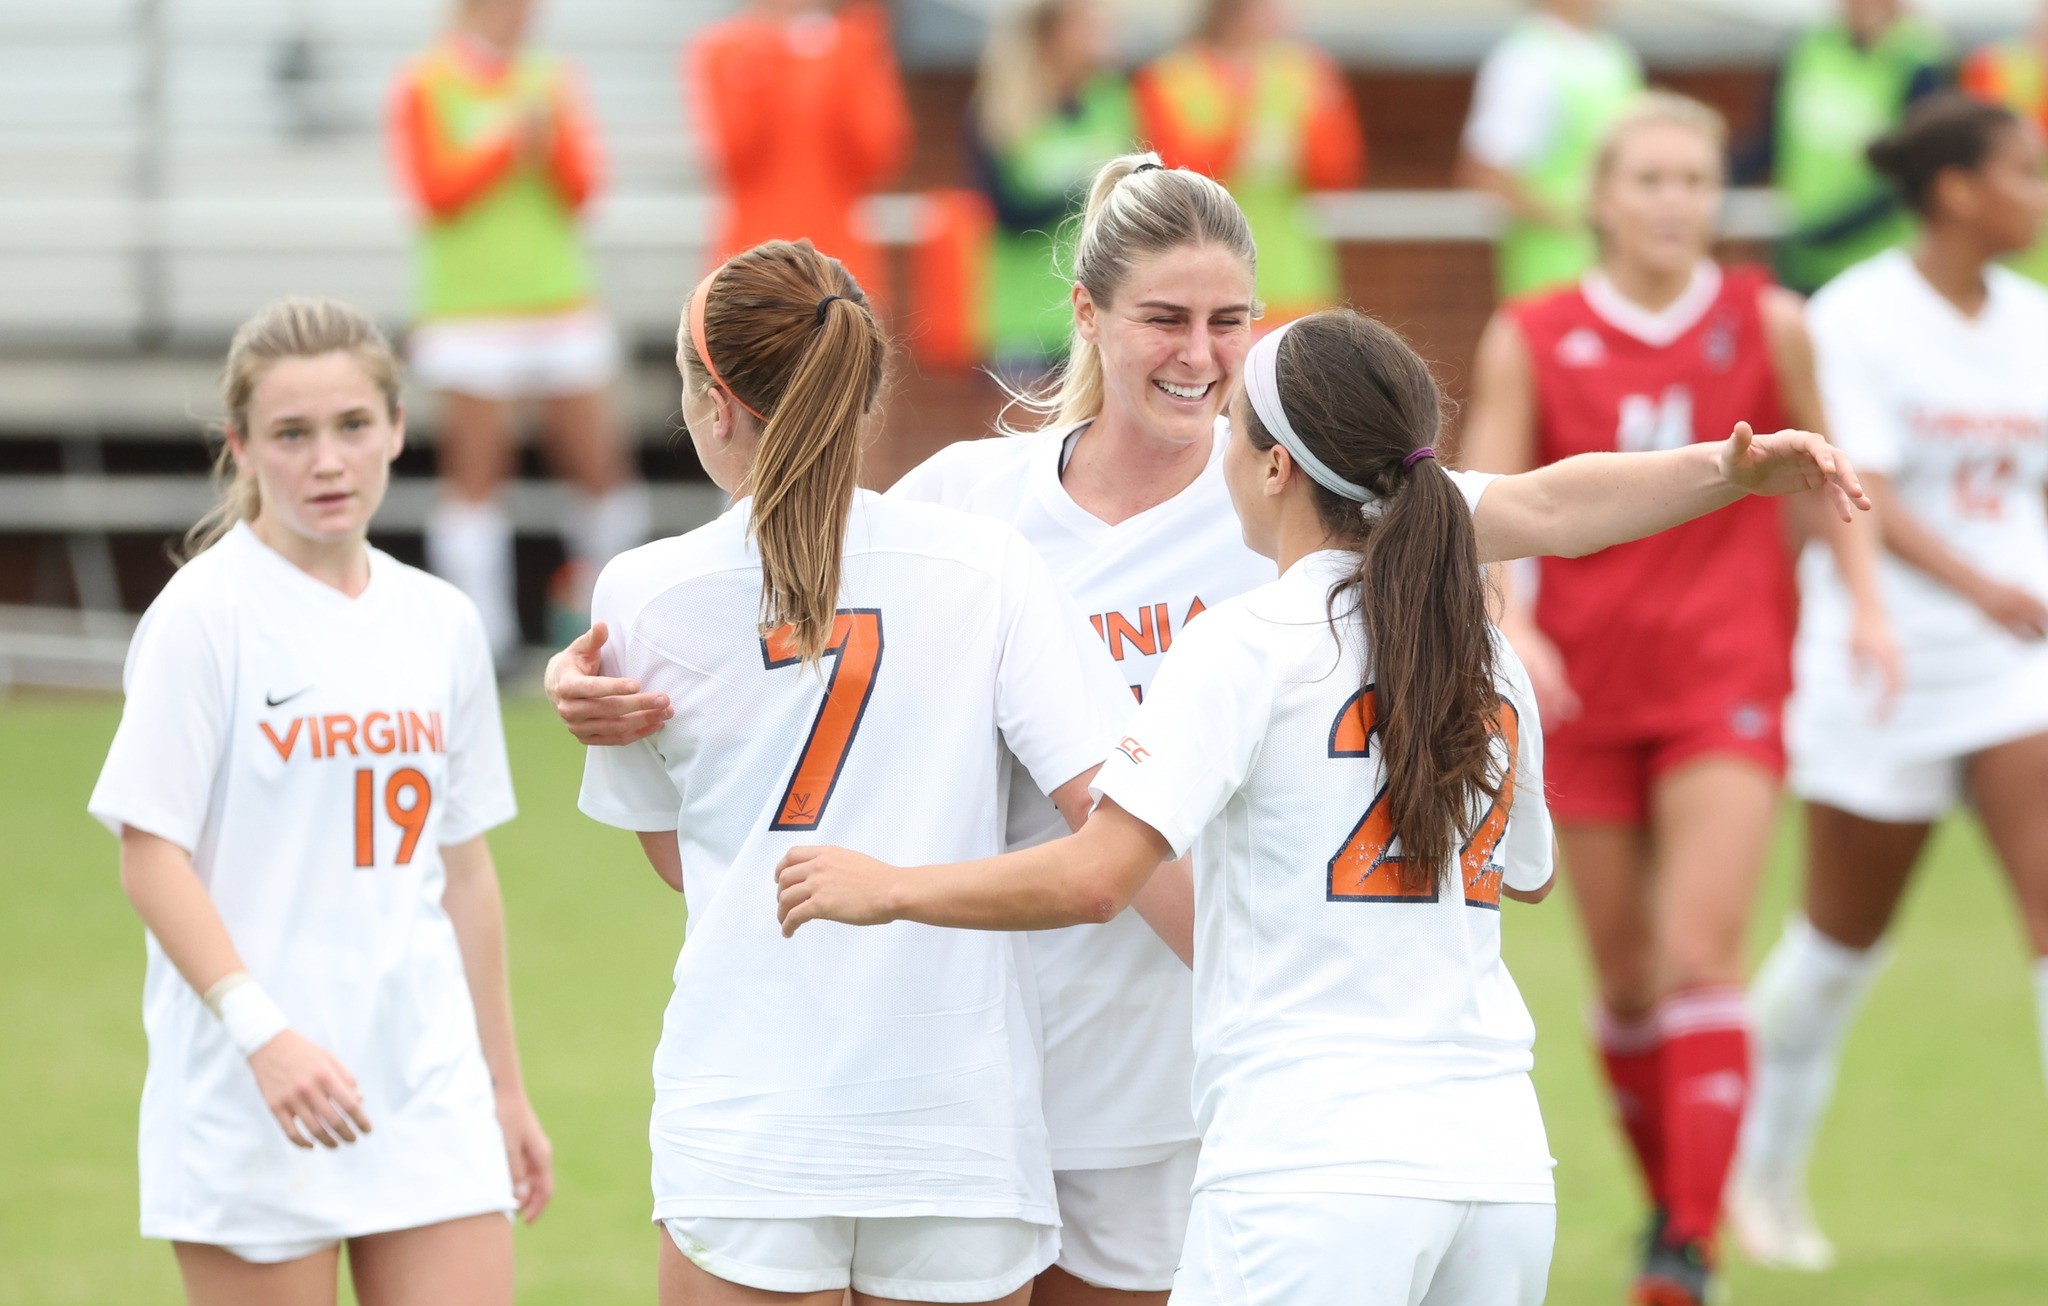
[{"x": 252, "y": 1019}]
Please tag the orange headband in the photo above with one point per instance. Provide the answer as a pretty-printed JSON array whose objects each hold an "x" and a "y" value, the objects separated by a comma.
[{"x": 697, "y": 298}]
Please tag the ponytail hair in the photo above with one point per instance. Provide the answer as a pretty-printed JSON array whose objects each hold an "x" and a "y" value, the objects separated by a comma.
[
  {"x": 1942, "y": 131},
  {"x": 788, "y": 333},
  {"x": 297, "y": 327},
  {"x": 1365, "y": 405},
  {"x": 1136, "y": 206}
]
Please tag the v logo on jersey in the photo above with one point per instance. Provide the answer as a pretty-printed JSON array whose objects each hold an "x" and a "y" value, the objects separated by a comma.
[{"x": 272, "y": 700}]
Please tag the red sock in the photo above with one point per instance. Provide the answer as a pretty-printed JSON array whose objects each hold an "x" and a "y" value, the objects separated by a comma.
[
  {"x": 1706, "y": 1084},
  {"x": 1632, "y": 1054}
]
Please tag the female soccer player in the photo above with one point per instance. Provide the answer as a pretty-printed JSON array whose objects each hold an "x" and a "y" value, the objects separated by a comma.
[
  {"x": 1123, "y": 493},
  {"x": 861, "y": 1110},
  {"x": 1358, "y": 767},
  {"x": 307, "y": 762},
  {"x": 1931, "y": 369},
  {"x": 1663, "y": 665},
  {"x": 496, "y": 149}
]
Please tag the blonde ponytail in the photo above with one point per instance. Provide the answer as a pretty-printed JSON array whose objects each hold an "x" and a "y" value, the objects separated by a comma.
[{"x": 793, "y": 338}]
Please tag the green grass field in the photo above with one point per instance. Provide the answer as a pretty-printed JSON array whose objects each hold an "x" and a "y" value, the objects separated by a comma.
[{"x": 1932, "y": 1175}]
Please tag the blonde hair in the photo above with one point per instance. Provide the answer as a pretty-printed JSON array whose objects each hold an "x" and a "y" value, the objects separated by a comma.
[
  {"x": 792, "y": 337},
  {"x": 1130, "y": 214},
  {"x": 297, "y": 327},
  {"x": 1012, "y": 91},
  {"x": 1660, "y": 108}
]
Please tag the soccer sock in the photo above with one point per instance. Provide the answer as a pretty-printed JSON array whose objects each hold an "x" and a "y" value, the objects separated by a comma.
[
  {"x": 2041, "y": 1007},
  {"x": 470, "y": 546},
  {"x": 1803, "y": 1002},
  {"x": 1631, "y": 1054},
  {"x": 598, "y": 527},
  {"x": 1706, "y": 1081}
]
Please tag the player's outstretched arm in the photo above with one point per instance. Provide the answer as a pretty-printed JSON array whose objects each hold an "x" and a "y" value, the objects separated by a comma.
[
  {"x": 1085, "y": 878},
  {"x": 1587, "y": 503},
  {"x": 476, "y": 910},
  {"x": 600, "y": 709},
  {"x": 309, "y": 1092}
]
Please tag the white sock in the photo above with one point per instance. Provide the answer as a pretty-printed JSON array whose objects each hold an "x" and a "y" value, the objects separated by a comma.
[
  {"x": 470, "y": 546},
  {"x": 1801, "y": 1003},
  {"x": 2041, "y": 1007},
  {"x": 598, "y": 527}
]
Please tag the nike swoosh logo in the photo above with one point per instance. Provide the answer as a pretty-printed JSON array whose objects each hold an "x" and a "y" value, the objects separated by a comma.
[{"x": 280, "y": 702}]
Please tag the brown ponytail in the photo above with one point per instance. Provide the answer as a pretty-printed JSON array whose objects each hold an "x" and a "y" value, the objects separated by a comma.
[
  {"x": 1363, "y": 402},
  {"x": 793, "y": 338}
]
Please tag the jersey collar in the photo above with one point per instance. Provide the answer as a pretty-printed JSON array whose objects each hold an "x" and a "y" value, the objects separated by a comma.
[{"x": 1667, "y": 324}]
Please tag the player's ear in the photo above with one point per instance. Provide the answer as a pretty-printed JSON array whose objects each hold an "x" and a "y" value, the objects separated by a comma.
[
  {"x": 1280, "y": 471},
  {"x": 1084, "y": 313},
  {"x": 238, "y": 448},
  {"x": 397, "y": 430}
]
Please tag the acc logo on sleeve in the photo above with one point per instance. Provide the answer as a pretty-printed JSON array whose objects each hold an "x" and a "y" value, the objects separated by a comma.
[{"x": 1132, "y": 749}]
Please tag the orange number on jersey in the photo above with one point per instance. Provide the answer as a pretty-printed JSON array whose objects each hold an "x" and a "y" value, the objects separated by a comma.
[
  {"x": 410, "y": 817},
  {"x": 856, "y": 648},
  {"x": 1481, "y": 873},
  {"x": 1980, "y": 485},
  {"x": 1364, "y": 869}
]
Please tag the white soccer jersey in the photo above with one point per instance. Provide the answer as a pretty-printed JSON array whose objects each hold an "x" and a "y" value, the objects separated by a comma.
[
  {"x": 1349, "y": 1036},
  {"x": 1954, "y": 411},
  {"x": 862, "y": 1072},
  {"x": 1116, "y": 1003},
  {"x": 314, "y": 753}
]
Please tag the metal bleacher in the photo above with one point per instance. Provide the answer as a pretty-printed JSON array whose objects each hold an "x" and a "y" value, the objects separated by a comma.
[{"x": 165, "y": 165}]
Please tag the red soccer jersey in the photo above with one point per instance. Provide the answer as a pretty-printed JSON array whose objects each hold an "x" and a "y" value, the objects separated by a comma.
[{"x": 1661, "y": 631}]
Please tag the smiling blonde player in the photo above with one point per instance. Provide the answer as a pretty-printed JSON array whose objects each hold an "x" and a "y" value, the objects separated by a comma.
[{"x": 307, "y": 761}]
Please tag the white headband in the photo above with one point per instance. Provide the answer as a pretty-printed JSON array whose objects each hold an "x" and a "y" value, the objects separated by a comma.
[{"x": 1262, "y": 387}]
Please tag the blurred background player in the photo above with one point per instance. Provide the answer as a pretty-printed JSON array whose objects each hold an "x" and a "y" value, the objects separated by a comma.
[
  {"x": 308, "y": 758},
  {"x": 1048, "y": 111},
  {"x": 1663, "y": 665},
  {"x": 1931, "y": 370},
  {"x": 1370, "y": 1132},
  {"x": 2014, "y": 73},
  {"x": 802, "y": 115},
  {"x": 1542, "y": 100},
  {"x": 1272, "y": 118},
  {"x": 1842, "y": 86},
  {"x": 862, "y": 1109},
  {"x": 492, "y": 143}
]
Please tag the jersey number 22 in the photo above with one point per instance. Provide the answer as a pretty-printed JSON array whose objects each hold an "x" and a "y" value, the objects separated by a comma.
[{"x": 1365, "y": 869}]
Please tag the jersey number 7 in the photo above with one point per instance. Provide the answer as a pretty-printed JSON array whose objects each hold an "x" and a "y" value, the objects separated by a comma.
[
  {"x": 1365, "y": 868},
  {"x": 856, "y": 653}
]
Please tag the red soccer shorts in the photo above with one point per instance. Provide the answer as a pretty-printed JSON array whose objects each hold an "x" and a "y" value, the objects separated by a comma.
[{"x": 1606, "y": 780}]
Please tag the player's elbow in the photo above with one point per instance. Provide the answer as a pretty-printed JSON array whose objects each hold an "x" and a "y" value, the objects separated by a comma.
[
  {"x": 1093, "y": 896},
  {"x": 1537, "y": 894}
]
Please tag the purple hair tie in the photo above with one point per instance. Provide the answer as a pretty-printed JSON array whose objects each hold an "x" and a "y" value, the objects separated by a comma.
[{"x": 1424, "y": 452}]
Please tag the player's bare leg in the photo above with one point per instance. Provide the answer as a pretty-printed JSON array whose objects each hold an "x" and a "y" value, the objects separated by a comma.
[
  {"x": 1055, "y": 1287},
  {"x": 608, "y": 509},
  {"x": 2007, "y": 784},
  {"x": 469, "y": 535},
  {"x": 465, "y": 1262},
  {"x": 1803, "y": 1000},
  {"x": 1608, "y": 866},
  {"x": 215, "y": 1276},
  {"x": 1711, "y": 821}
]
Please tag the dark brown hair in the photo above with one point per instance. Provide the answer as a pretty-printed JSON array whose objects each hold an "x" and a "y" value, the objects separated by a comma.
[
  {"x": 1942, "y": 131},
  {"x": 794, "y": 339},
  {"x": 1362, "y": 401}
]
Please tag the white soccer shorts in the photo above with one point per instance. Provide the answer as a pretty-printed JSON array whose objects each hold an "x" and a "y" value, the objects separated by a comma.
[
  {"x": 910, "y": 1258},
  {"x": 1307, "y": 1249},
  {"x": 510, "y": 358},
  {"x": 1124, "y": 1228}
]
